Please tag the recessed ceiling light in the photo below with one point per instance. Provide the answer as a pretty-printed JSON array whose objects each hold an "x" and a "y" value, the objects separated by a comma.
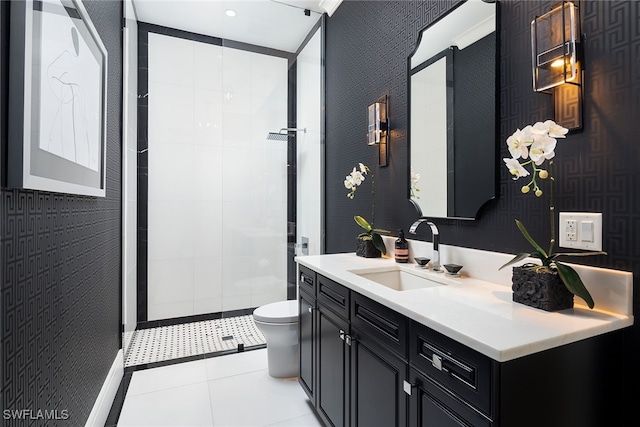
[{"x": 230, "y": 13}]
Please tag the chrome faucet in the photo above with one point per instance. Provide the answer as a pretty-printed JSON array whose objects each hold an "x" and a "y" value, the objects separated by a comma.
[{"x": 435, "y": 258}]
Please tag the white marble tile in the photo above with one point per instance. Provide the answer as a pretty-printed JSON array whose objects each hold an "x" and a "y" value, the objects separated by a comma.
[
  {"x": 236, "y": 71},
  {"x": 271, "y": 400},
  {"x": 170, "y": 310},
  {"x": 183, "y": 406},
  {"x": 268, "y": 74},
  {"x": 207, "y": 277},
  {"x": 170, "y": 281},
  {"x": 208, "y": 176},
  {"x": 207, "y": 221},
  {"x": 171, "y": 171},
  {"x": 171, "y": 230},
  {"x": 171, "y": 60},
  {"x": 207, "y": 68},
  {"x": 170, "y": 113},
  {"x": 236, "y": 364},
  {"x": 207, "y": 116},
  {"x": 165, "y": 377},
  {"x": 236, "y": 129}
]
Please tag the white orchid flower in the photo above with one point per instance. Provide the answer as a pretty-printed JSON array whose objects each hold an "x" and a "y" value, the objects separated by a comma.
[
  {"x": 519, "y": 142},
  {"x": 363, "y": 168},
  {"x": 542, "y": 149},
  {"x": 555, "y": 130},
  {"x": 515, "y": 168},
  {"x": 357, "y": 177}
]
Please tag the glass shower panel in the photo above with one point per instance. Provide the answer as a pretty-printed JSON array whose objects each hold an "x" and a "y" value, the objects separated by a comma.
[{"x": 254, "y": 178}]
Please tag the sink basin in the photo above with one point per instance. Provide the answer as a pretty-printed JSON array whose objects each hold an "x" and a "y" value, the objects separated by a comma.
[{"x": 397, "y": 279}]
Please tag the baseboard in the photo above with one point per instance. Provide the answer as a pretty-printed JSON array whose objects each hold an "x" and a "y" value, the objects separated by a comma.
[{"x": 102, "y": 406}]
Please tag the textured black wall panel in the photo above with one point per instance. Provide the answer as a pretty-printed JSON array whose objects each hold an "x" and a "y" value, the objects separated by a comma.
[
  {"x": 61, "y": 272},
  {"x": 596, "y": 169}
]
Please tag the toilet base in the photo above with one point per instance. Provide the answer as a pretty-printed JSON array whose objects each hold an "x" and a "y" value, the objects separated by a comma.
[
  {"x": 283, "y": 361},
  {"x": 282, "y": 348}
]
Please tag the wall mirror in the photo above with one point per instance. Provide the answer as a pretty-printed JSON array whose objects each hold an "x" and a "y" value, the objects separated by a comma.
[{"x": 452, "y": 113}]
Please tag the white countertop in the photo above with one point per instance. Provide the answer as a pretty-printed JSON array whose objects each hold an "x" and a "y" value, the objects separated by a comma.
[{"x": 474, "y": 312}]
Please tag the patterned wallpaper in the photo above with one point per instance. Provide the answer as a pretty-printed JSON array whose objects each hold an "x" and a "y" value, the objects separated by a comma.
[
  {"x": 596, "y": 169},
  {"x": 61, "y": 272}
]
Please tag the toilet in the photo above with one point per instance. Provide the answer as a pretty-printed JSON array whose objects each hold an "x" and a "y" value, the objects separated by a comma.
[{"x": 278, "y": 322}]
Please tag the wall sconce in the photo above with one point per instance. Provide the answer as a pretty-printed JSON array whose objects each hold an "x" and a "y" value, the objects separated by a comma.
[
  {"x": 378, "y": 128},
  {"x": 556, "y": 61}
]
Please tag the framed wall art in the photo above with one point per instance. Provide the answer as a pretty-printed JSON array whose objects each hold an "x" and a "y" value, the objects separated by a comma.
[{"x": 57, "y": 99}]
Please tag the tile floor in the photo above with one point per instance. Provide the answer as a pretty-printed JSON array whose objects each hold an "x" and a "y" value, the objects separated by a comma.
[
  {"x": 191, "y": 339},
  {"x": 231, "y": 390}
]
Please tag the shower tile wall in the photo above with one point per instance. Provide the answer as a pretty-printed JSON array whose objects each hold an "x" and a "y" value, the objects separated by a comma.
[{"x": 217, "y": 189}]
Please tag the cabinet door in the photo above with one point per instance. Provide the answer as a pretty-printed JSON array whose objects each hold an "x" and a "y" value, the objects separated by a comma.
[
  {"x": 431, "y": 405},
  {"x": 333, "y": 368},
  {"x": 377, "y": 378},
  {"x": 306, "y": 334}
]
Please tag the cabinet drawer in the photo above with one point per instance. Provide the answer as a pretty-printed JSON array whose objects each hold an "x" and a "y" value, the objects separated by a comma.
[
  {"x": 386, "y": 326},
  {"x": 307, "y": 280},
  {"x": 333, "y": 295},
  {"x": 455, "y": 366},
  {"x": 432, "y": 405}
]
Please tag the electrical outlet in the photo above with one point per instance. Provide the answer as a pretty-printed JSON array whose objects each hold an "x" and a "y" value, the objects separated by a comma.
[
  {"x": 571, "y": 230},
  {"x": 581, "y": 230}
]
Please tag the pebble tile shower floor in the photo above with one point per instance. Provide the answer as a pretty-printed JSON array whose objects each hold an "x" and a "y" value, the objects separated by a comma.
[{"x": 192, "y": 339}]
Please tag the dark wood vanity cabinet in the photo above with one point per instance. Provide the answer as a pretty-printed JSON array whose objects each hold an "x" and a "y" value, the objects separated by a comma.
[{"x": 364, "y": 364}]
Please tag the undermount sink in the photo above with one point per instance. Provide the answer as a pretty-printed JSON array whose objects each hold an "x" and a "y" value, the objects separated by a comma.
[{"x": 398, "y": 279}]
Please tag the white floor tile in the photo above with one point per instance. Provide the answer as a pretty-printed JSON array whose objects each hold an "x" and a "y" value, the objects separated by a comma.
[
  {"x": 310, "y": 420},
  {"x": 256, "y": 399},
  {"x": 186, "y": 406},
  {"x": 236, "y": 364},
  {"x": 166, "y": 377}
]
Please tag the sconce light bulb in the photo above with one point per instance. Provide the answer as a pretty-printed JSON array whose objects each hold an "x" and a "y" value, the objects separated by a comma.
[{"x": 558, "y": 63}]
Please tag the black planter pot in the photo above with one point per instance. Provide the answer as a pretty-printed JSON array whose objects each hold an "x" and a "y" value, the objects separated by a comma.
[
  {"x": 365, "y": 248},
  {"x": 541, "y": 290}
]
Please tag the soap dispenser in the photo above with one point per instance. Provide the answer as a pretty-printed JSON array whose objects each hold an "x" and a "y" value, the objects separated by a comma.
[{"x": 402, "y": 248}]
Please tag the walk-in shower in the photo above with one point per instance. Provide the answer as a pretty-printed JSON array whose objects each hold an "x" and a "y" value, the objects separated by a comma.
[{"x": 218, "y": 220}]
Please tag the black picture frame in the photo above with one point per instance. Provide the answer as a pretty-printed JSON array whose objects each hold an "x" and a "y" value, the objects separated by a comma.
[{"x": 57, "y": 99}]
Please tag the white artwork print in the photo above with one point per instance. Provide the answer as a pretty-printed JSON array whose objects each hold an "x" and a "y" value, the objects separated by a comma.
[{"x": 70, "y": 104}]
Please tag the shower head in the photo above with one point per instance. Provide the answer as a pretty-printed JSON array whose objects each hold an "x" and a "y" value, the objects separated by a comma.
[{"x": 284, "y": 134}]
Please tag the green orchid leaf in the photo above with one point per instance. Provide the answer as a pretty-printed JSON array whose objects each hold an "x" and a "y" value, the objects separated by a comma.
[
  {"x": 380, "y": 230},
  {"x": 527, "y": 236},
  {"x": 538, "y": 255},
  {"x": 517, "y": 258},
  {"x": 573, "y": 282},
  {"x": 362, "y": 222},
  {"x": 378, "y": 243},
  {"x": 578, "y": 254}
]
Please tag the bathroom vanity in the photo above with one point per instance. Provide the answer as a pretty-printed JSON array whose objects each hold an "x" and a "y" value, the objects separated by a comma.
[{"x": 389, "y": 345}]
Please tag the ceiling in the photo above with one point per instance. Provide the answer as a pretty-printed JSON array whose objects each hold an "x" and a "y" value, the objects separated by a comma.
[{"x": 277, "y": 24}]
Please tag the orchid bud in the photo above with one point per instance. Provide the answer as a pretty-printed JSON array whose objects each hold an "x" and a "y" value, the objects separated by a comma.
[
  {"x": 525, "y": 189},
  {"x": 543, "y": 174},
  {"x": 538, "y": 193}
]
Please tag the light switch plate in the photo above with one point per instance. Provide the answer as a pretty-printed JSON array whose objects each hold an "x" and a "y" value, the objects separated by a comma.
[{"x": 581, "y": 230}]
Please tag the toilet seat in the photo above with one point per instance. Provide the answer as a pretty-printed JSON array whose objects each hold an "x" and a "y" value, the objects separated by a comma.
[{"x": 277, "y": 312}]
